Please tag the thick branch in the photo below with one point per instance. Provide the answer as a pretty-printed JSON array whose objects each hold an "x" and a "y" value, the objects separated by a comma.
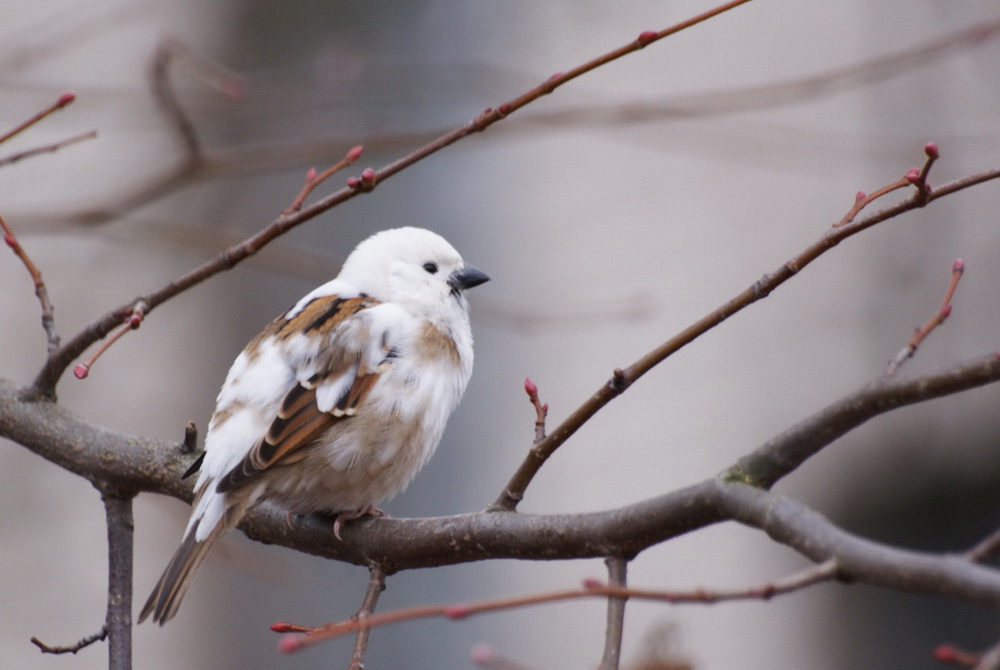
[
  {"x": 791, "y": 523},
  {"x": 787, "y": 451},
  {"x": 137, "y": 464}
]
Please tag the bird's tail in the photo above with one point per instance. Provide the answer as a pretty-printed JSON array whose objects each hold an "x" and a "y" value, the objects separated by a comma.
[{"x": 166, "y": 598}]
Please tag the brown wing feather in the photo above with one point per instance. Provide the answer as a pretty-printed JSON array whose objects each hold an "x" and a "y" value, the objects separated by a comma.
[{"x": 299, "y": 421}]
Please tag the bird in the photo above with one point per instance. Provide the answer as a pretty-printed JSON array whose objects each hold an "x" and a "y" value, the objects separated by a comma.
[{"x": 338, "y": 402}]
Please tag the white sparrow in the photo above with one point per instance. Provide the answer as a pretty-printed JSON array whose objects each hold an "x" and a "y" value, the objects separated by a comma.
[{"x": 338, "y": 403}]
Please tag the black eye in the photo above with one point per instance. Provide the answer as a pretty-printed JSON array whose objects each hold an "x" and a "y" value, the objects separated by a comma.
[{"x": 431, "y": 267}]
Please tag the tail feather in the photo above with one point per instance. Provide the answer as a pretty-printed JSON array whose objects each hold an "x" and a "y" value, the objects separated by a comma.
[{"x": 166, "y": 597}]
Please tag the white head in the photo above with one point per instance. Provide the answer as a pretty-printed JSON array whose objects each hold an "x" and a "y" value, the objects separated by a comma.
[{"x": 414, "y": 268}]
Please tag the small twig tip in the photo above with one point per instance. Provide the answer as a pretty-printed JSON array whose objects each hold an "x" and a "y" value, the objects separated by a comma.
[{"x": 530, "y": 388}]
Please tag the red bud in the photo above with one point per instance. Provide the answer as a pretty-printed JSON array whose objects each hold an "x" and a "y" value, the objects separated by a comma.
[
  {"x": 311, "y": 175},
  {"x": 11, "y": 241},
  {"x": 368, "y": 177},
  {"x": 456, "y": 612},
  {"x": 66, "y": 98},
  {"x": 353, "y": 182},
  {"x": 958, "y": 265},
  {"x": 646, "y": 37},
  {"x": 355, "y": 153},
  {"x": 931, "y": 149},
  {"x": 913, "y": 176},
  {"x": 530, "y": 388},
  {"x": 592, "y": 583},
  {"x": 281, "y": 627},
  {"x": 81, "y": 371},
  {"x": 861, "y": 195}
]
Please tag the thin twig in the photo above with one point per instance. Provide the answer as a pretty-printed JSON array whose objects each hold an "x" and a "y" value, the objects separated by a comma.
[
  {"x": 64, "y": 99},
  {"x": 132, "y": 321},
  {"x": 48, "y": 318},
  {"x": 47, "y": 148},
  {"x": 376, "y": 584},
  {"x": 615, "y": 627},
  {"x": 943, "y": 312},
  {"x": 73, "y": 648},
  {"x": 916, "y": 177},
  {"x": 313, "y": 180},
  {"x": 815, "y": 574}
]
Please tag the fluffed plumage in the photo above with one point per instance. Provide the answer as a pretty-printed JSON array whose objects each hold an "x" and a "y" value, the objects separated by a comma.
[{"x": 338, "y": 403}]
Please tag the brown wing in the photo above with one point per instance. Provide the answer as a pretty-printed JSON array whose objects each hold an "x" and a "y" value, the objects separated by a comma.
[{"x": 300, "y": 422}]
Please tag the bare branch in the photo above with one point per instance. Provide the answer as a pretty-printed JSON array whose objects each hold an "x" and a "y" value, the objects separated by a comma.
[
  {"x": 623, "y": 378},
  {"x": 50, "y": 374},
  {"x": 791, "y": 523},
  {"x": 376, "y": 584},
  {"x": 787, "y": 451},
  {"x": 944, "y": 311},
  {"x": 64, "y": 99},
  {"x": 615, "y": 628},
  {"x": 313, "y": 180},
  {"x": 73, "y": 648},
  {"x": 47, "y": 148},
  {"x": 118, "y": 622},
  {"x": 48, "y": 319}
]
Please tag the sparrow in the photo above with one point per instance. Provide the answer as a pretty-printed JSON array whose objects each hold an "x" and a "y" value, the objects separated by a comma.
[{"x": 338, "y": 403}]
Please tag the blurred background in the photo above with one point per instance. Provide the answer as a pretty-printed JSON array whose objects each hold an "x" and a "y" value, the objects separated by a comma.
[{"x": 610, "y": 215}]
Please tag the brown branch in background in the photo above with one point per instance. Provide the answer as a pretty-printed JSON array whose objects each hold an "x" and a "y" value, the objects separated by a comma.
[
  {"x": 54, "y": 367},
  {"x": 73, "y": 648},
  {"x": 621, "y": 379},
  {"x": 255, "y": 159},
  {"x": 944, "y": 311},
  {"x": 48, "y": 318},
  {"x": 376, "y": 584},
  {"x": 313, "y": 180},
  {"x": 64, "y": 99},
  {"x": 225, "y": 81},
  {"x": 47, "y": 148},
  {"x": 614, "y": 630}
]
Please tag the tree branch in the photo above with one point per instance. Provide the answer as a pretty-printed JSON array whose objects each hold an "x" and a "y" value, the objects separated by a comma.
[
  {"x": 621, "y": 379},
  {"x": 118, "y": 623},
  {"x": 56, "y": 364}
]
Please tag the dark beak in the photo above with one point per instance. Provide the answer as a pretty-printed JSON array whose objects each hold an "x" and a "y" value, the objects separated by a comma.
[{"x": 467, "y": 277}]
